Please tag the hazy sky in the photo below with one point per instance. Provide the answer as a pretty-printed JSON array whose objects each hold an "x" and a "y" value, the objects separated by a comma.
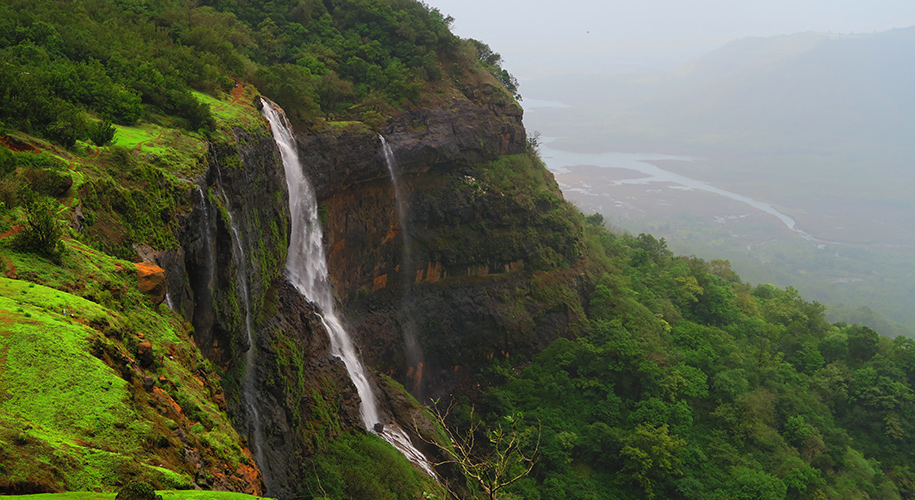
[{"x": 537, "y": 37}]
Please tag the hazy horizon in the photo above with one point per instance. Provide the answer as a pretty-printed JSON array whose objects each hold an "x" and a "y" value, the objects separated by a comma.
[
  {"x": 539, "y": 38},
  {"x": 813, "y": 127}
]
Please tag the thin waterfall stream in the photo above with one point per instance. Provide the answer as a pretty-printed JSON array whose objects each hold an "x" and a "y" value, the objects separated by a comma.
[
  {"x": 241, "y": 279},
  {"x": 247, "y": 383},
  {"x": 306, "y": 270},
  {"x": 208, "y": 244},
  {"x": 407, "y": 327}
]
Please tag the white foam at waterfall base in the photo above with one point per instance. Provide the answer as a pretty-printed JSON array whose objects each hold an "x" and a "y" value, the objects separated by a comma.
[{"x": 306, "y": 269}]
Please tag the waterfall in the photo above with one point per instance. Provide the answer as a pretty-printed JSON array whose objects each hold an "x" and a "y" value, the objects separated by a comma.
[
  {"x": 306, "y": 270},
  {"x": 399, "y": 199},
  {"x": 408, "y": 328},
  {"x": 247, "y": 384},
  {"x": 241, "y": 280},
  {"x": 208, "y": 242}
]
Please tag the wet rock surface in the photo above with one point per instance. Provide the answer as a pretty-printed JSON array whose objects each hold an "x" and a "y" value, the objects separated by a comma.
[
  {"x": 245, "y": 178},
  {"x": 295, "y": 364}
]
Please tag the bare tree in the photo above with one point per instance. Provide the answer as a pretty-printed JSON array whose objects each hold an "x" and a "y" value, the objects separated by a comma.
[{"x": 494, "y": 457}]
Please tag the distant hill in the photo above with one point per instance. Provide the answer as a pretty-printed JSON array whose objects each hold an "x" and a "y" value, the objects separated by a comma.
[
  {"x": 817, "y": 124},
  {"x": 807, "y": 91}
]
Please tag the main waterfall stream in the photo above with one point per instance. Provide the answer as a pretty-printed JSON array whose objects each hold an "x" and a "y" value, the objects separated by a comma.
[{"x": 306, "y": 269}]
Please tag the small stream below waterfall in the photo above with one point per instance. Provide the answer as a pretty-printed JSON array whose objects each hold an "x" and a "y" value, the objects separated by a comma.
[{"x": 306, "y": 270}]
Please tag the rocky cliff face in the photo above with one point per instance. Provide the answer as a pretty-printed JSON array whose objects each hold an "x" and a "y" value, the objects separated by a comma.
[
  {"x": 233, "y": 250},
  {"x": 465, "y": 293},
  {"x": 235, "y": 238},
  {"x": 243, "y": 186},
  {"x": 487, "y": 232}
]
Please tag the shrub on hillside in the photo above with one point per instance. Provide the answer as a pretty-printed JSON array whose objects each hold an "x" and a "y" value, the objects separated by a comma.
[
  {"x": 7, "y": 162},
  {"x": 10, "y": 189},
  {"x": 68, "y": 124},
  {"x": 137, "y": 490},
  {"x": 41, "y": 233},
  {"x": 101, "y": 133},
  {"x": 48, "y": 182}
]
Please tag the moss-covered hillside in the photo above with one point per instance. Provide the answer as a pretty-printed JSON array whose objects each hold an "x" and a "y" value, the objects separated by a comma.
[{"x": 102, "y": 383}]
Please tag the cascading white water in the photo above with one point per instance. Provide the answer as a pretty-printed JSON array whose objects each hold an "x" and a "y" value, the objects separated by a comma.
[
  {"x": 247, "y": 383},
  {"x": 306, "y": 269}
]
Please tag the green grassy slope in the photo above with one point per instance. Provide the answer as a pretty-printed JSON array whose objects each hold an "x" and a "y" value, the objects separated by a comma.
[
  {"x": 74, "y": 413},
  {"x": 166, "y": 495}
]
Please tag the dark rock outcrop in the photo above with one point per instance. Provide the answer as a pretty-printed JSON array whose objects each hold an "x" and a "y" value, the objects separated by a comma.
[
  {"x": 295, "y": 374},
  {"x": 466, "y": 292},
  {"x": 435, "y": 149},
  {"x": 459, "y": 132},
  {"x": 244, "y": 179},
  {"x": 145, "y": 354}
]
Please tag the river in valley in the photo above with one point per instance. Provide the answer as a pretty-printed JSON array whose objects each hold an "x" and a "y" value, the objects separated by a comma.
[{"x": 642, "y": 171}]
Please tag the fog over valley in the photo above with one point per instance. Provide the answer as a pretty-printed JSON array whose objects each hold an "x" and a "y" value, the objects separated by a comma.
[{"x": 776, "y": 137}]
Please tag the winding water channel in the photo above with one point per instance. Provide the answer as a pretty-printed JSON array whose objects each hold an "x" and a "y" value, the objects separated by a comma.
[{"x": 560, "y": 161}]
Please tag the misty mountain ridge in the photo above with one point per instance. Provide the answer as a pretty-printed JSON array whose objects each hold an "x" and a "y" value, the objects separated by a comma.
[
  {"x": 806, "y": 88},
  {"x": 801, "y": 92},
  {"x": 816, "y": 124}
]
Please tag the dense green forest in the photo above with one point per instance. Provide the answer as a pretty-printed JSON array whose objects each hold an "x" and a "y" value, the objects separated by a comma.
[
  {"x": 127, "y": 60},
  {"x": 688, "y": 383}
]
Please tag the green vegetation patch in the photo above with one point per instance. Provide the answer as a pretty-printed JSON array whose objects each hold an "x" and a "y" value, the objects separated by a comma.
[
  {"x": 49, "y": 376},
  {"x": 231, "y": 111},
  {"x": 131, "y": 137},
  {"x": 687, "y": 383},
  {"x": 364, "y": 466},
  {"x": 63, "y": 409},
  {"x": 527, "y": 218},
  {"x": 166, "y": 495}
]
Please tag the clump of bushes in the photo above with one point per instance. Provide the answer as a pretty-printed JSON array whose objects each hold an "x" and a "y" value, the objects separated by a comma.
[
  {"x": 47, "y": 182},
  {"x": 101, "y": 133},
  {"x": 42, "y": 232},
  {"x": 137, "y": 490}
]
